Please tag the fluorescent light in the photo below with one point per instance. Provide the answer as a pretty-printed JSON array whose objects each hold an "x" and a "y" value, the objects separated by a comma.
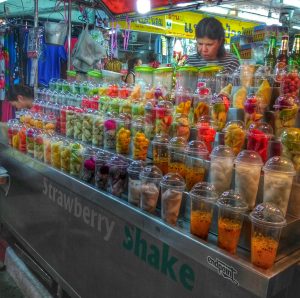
[
  {"x": 296, "y": 27},
  {"x": 143, "y": 6},
  {"x": 1, "y": 1},
  {"x": 260, "y": 19},
  {"x": 214, "y": 9},
  {"x": 293, "y": 3}
]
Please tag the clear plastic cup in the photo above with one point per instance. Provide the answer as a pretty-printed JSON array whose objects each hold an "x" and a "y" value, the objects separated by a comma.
[
  {"x": 65, "y": 154},
  {"x": 98, "y": 130},
  {"x": 87, "y": 173},
  {"x": 78, "y": 122},
  {"x": 118, "y": 177},
  {"x": 160, "y": 152},
  {"x": 235, "y": 135},
  {"x": 102, "y": 169},
  {"x": 70, "y": 117},
  {"x": 30, "y": 134},
  {"x": 176, "y": 156},
  {"x": 267, "y": 222},
  {"x": 76, "y": 158},
  {"x": 278, "y": 180},
  {"x": 230, "y": 220},
  {"x": 172, "y": 186},
  {"x": 56, "y": 143},
  {"x": 164, "y": 77},
  {"x": 258, "y": 138},
  {"x": 181, "y": 127},
  {"x": 221, "y": 167},
  {"x": 248, "y": 166},
  {"x": 201, "y": 102},
  {"x": 206, "y": 132},
  {"x": 144, "y": 73},
  {"x": 219, "y": 109},
  {"x": 163, "y": 121},
  {"x": 87, "y": 126},
  {"x": 47, "y": 149},
  {"x": 134, "y": 183},
  {"x": 150, "y": 178},
  {"x": 110, "y": 131},
  {"x": 195, "y": 155},
  {"x": 39, "y": 146},
  {"x": 140, "y": 142},
  {"x": 183, "y": 102},
  {"x": 203, "y": 197},
  {"x": 186, "y": 78},
  {"x": 123, "y": 135}
]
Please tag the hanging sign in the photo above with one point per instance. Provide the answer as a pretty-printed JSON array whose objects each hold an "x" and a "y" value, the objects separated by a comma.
[{"x": 182, "y": 24}]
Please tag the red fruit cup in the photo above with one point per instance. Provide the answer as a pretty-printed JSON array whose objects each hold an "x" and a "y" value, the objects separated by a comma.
[
  {"x": 259, "y": 135},
  {"x": 290, "y": 84}
]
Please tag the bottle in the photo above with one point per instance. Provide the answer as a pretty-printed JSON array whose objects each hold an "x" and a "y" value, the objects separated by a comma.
[
  {"x": 282, "y": 58},
  {"x": 294, "y": 59},
  {"x": 270, "y": 58}
]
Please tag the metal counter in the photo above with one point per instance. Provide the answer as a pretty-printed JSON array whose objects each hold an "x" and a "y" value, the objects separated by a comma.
[{"x": 96, "y": 245}]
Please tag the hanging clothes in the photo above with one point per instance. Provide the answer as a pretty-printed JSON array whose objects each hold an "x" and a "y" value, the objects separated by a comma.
[{"x": 50, "y": 62}]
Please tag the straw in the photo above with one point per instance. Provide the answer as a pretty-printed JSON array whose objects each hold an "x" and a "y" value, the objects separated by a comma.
[{"x": 236, "y": 51}]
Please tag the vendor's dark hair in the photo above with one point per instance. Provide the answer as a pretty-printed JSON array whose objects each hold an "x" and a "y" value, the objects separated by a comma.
[
  {"x": 212, "y": 29},
  {"x": 132, "y": 62},
  {"x": 23, "y": 90}
]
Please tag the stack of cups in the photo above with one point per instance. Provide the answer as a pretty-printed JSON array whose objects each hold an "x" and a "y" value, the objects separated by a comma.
[
  {"x": 267, "y": 223},
  {"x": 221, "y": 168},
  {"x": 134, "y": 183},
  {"x": 278, "y": 180},
  {"x": 150, "y": 178},
  {"x": 248, "y": 166},
  {"x": 203, "y": 197},
  {"x": 172, "y": 187},
  {"x": 230, "y": 220},
  {"x": 160, "y": 152}
]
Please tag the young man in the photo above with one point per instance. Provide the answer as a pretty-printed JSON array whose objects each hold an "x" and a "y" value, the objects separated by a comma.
[
  {"x": 210, "y": 37},
  {"x": 21, "y": 96}
]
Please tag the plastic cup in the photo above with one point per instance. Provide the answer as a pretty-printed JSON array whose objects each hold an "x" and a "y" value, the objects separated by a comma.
[
  {"x": 117, "y": 179},
  {"x": 30, "y": 134},
  {"x": 181, "y": 127},
  {"x": 219, "y": 109},
  {"x": 221, "y": 167},
  {"x": 235, "y": 136},
  {"x": 160, "y": 152},
  {"x": 150, "y": 178},
  {"x": 172, "y": 186},
  {"x": 110, "y": 131},
  {"x": 230, "y": 220},
  {"x": 163, "y": 121},
  {"x": 267, "y": 222},
  {"x": 56, "y": 143},
  {"x": 39, "y": 146},
  {"x": 248, "y": 166},
  {"x": 140, "y": 142},
  {"x": 203, "y": 198},
  {"x": 87, "y": 126},
  {"x": 87, "y": 173},
  {"x": 134, "y": 183},
  {"x": 76, "y": 158},
  {"x": 195, "y": 155},
  {"x": 123, "y": 136},
  {"x": 183, "y": 102},
  {"x": 47, "y": 149},
  {"x": 278, "y": 179},
  {"x": 98, "y": 130},
  {"x": 176, "y": 156},
  {"x": 101, "y": 170},
  {"x": 78, "y": 122},
  {"x": 65, "y": 154}
]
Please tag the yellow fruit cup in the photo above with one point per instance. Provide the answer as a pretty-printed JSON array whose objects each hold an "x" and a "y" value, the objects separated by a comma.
[{"x": 235, "y": 136}]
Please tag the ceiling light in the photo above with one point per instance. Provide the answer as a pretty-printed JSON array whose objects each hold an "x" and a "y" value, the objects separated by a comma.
[
  {"x": 143, "y": 6},
  {"x": 296, "y": 27},
  {"x": 214, "y": 9},
  {"x": 1, "y": 1},
  {"x": 293, "y": 3}
]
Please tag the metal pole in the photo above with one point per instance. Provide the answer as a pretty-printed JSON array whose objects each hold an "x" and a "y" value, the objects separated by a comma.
[
  {"x": 36, "y": 25},
  {"x": 69, "y": 32}
]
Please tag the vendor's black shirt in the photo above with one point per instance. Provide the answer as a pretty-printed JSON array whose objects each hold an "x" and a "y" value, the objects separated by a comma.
[{"x": 229, "y": 62}]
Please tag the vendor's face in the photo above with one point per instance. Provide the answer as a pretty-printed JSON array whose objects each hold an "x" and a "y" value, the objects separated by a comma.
[
  {"x": 208, "y": 48},
  {"x": 139, "y": 62},
  {"x": 21, "y": 103}
]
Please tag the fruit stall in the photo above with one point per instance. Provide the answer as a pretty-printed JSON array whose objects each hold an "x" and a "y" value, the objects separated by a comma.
[{"x": 186, "y": 182}]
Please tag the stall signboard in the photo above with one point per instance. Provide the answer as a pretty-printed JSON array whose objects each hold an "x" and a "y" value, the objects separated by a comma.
[{"x": 182, "y": 24}]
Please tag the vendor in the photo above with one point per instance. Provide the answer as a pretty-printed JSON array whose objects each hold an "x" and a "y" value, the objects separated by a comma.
[
  {"x": 21, "y": 96},
  {"x": 210, "y": 37},
  {"x": 132, "y": 63}
]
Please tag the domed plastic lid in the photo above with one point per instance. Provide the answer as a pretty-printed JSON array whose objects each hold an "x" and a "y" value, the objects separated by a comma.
[
  {"x": 136, "y": 166},
  {"x": 285, "y": 101},
  {"x": 161, "y": 140},
  {"x": 197, "y": 148},
  {"x": 144, "y": 69},
  {"x": 118, "y": 160},
  {"x": 163, "y": 69},
  {"x": 204, "y": 191},
  {"x": 280, "y": 164},
  {"x": 233, "y": 201},
  {"x": 260, "y": 128},
  {"x": 268, "y": 214},
  {"x": 235, "y": 123},
  {"x": 210, "y": 68},
  {"x": 222, "y": 151},
  {"x": 187, "y": 68},
  {"x": 151, "y": 172},
  {"x": 71, "y": 73},
  {"x": 177, "y": 142},
  {"x": 173, "y": 180},
  {"x": 290, "y": 138},
  {"x": 248, "y": 157},
  {"x": 102, "y": 155},
  {"x": 165, "y": 104}
]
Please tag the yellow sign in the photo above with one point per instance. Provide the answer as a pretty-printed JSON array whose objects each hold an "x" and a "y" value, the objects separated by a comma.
[{"x": 182, "y": 24}]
